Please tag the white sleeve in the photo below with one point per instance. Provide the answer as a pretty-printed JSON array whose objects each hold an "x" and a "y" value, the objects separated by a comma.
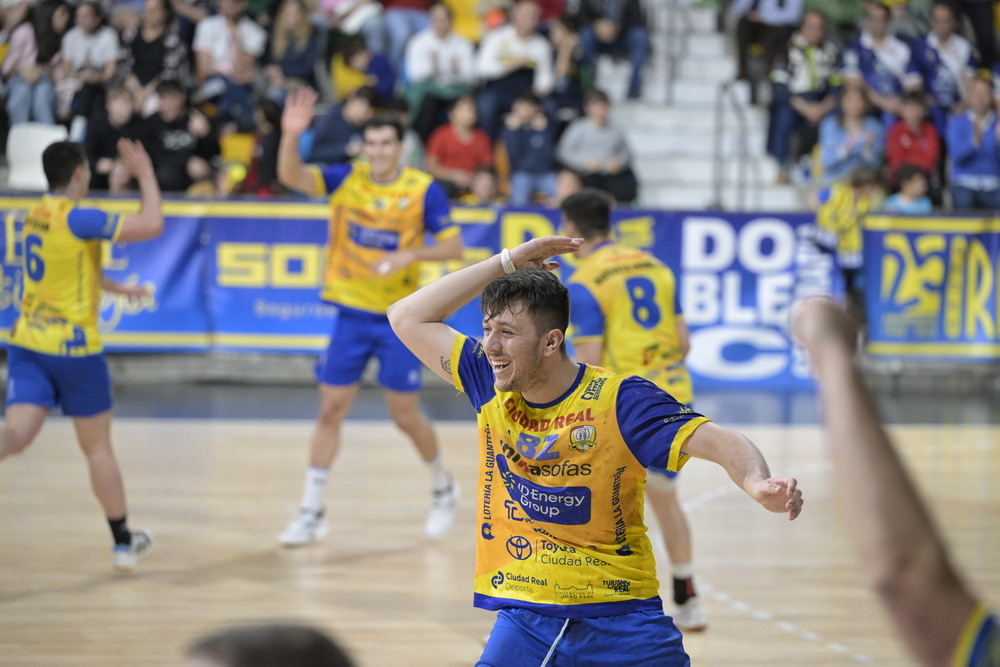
[
  {"x": 204, "y": 40},
  {"x": 488, "y": 65},
  {"x": 418, "y": 58},
  {"x": 544, "y": 76},
  {"x": 254, "y": 38},
  {"x": 107, "y": 47},
  {"x": 466, "y": 61}
]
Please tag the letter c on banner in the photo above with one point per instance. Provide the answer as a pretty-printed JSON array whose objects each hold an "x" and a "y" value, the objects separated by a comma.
[{"x": 769, "y": 355}]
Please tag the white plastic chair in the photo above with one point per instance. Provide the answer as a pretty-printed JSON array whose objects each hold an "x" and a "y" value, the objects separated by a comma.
[{"x": 25, "y": 144}]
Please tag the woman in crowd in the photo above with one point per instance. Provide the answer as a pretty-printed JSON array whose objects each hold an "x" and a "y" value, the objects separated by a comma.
[
  {"x": 32, "y": 67},
  {"x": 151, "y": 53},
  {"x": 294, "y": 49},
  {"x": 851, "y": 139}
]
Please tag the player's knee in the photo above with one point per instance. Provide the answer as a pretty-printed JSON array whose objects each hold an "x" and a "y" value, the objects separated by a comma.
[
  {"x": 407, "y": 419},
  {"x": 332, "y": 413},
  {"x": 17, "y": 440}
]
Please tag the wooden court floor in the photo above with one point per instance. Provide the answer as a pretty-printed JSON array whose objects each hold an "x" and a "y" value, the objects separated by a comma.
[{"x": 216, "y": 493}]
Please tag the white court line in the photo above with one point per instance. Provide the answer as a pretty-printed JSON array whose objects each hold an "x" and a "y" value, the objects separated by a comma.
[{"x": 722, "y": 491}]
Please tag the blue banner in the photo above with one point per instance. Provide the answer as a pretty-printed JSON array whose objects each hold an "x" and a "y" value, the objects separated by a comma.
[
  {"x": 931, "y": 287},
  {"x": 245, "y": 276}
]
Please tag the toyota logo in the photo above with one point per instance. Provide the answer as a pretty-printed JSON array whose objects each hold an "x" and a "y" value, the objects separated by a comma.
[{"x": 519, "y": 547}]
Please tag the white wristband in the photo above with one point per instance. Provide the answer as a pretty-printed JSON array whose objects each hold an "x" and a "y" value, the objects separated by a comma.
[{"x": 507, "y": 262}]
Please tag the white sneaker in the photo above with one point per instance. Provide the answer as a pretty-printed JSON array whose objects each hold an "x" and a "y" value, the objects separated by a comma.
[
  {"x": 442, "y": 514},
  {"x": 690, "y": 617},
  {"x": 307, "y": 527},
  {"x": 125, "y": 557}
]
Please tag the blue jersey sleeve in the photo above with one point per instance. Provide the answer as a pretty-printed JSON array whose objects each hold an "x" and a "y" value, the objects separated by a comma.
[
  {"x": 330, "y": 177},
  {"x": 437, "y": 213},
  {"x": 472, "y": 371},
  {"x": 677, "y": 299},
  {"x": 584, "y": 313},
  {"x": 90, "y": 223},
  {"x": 654, "y": 425}
]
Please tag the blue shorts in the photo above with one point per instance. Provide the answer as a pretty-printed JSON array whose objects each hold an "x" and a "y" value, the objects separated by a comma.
[
  {"x": 81, "y": 385},
  {"x": 356, "y": 338},
  {"x": 522, "y": 638}
]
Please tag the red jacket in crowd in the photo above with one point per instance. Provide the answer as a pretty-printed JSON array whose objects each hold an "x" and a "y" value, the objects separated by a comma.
[{"x": 904, "y": 146}]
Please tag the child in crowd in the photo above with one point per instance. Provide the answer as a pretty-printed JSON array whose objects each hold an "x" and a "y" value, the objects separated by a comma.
[
  {"x": 912, "y": 197},
  {"x": 356, "y": 66},
  {"x": 101, "y": 143},
  {"x": 457, "y": 149},
  {"x": 530, "y": 143},
  {"x": 568, "y": 182},
  {"x": 483, "y": 190}
]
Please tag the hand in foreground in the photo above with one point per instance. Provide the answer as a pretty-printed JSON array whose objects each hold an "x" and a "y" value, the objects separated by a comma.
[
  {"x": 299, "y": 112},
  {"x": 779, "y": 494},
  {"x": 818, "y": 320},
  {"x": 535, "y": 254},
  {"x": 135, "y": 159}
]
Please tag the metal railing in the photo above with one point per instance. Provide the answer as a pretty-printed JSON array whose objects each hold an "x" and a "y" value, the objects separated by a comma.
[
  {"x": 727, "y": 96},
  {"x": 678, "y": 29}
]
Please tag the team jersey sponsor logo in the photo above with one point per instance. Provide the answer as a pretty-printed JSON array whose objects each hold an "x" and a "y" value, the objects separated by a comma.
[
  {"x": 618, "y": 587},
  {"x": 573, "y": 592},
  {"x": 519, "y": 547},
  {"x": 568, "y": 505},
  {"x": 560, "y": 422},
  {"x": 593, "y": 390}
]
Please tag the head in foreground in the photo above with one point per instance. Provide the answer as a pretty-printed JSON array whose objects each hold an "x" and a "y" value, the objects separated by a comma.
[
  {"x": 66, "y": 169},
  {"x": 267, "y": 646},
  {"x": 525, "y": 316}
]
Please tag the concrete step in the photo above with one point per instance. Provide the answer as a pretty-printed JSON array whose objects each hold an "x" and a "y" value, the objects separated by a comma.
[
  {"x": 709, "y": 68},
  {"x": 698, "y": 20},
  {"x": 710, "y": 44},
  {"x": 644, "y": 116},
  {"x": 659, "y": 143},
  {"x": 766, "y": 198},
  {"x": 668, "y": 170},
  {"x": 699, "y": 91}
]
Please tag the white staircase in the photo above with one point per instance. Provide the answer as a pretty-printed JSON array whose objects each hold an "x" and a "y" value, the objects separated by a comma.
[{"x": 674, "y": 144}]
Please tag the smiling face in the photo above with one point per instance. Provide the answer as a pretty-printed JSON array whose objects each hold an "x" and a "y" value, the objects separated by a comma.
[{"x": 516, "y": 350}]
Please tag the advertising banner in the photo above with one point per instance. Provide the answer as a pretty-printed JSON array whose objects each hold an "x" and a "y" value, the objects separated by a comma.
[{"x": 931, "y": 287}]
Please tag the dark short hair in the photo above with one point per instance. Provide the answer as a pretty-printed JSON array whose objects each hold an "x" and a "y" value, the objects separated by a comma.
[
  {"x": 880, "y": 5},
  {"x": 170, "y": 86},
  {"x": 271, "y": 111},
  {"x": 271, "y": 646},
  {"x": 527, "y": 96},
  {"x": 366, "y": 93},
  {"x": 596, "y": 95},
  {"x": 590, "y": 210},
  {"x": 353, "y": 47},
  {"x": 385, "y": 120},
  {"x": 94, "y": 7},
  {"x": 60, "y": 160},
  {"x": 948, "y": 6},
  {"x": 908, "y": 172},
  {"x": 538, "y": 292},
  {"x": 443, "y": 6},
  {"x": 489, "y": 171},
  {"x": 915, "y": 97},
  {"x": 569, "y": 21},
  {"x": 864, "y": 177}
]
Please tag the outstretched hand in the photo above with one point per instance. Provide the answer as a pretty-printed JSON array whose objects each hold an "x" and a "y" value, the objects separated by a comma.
[
  {"x": 535, "y": 254},
  {"x": 134, "y": 158},
  {"x": 299, "y": 111},
  {"x": 780, "y": 495},
  {"x": 818, "y": 320}
]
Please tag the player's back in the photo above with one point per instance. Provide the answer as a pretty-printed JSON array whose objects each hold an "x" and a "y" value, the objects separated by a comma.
[
  {"x": 638, "y": 299},
  {"x": 62, "y": 283}
]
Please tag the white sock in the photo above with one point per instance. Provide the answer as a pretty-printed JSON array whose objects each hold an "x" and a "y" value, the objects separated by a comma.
[
  {"x": 312, "y": 494},
  {"x": 441, "y": 479},
  {"x": 683, "y": 570}
]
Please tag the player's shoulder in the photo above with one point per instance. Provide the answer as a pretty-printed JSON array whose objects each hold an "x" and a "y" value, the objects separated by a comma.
[{"x": 411, "y": 177}]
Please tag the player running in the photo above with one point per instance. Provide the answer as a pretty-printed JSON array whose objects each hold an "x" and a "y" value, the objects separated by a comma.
[
  {"x": 626, "y": 317},
  {"x": 379, "y": 214},
  {"x": 55, "y": 357},
  {"x": 562, "y": 551}
]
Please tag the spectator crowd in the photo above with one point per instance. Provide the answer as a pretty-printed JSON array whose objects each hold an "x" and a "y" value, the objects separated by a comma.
[
  {"x": 903, "y": 90},
  {"x": 497, "y": 94}
]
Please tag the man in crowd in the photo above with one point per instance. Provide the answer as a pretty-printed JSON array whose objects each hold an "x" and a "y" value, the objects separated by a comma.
[{"x": 615, "y": 26}]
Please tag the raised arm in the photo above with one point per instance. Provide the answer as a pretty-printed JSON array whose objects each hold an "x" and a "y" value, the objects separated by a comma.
[
  {"x": 746, "y": 467},
  {"x": 902, "y": 554},
  {"x": 296, "y": 118},
  {"x": 418, "y": 319},
  {"x": 148, "y": 222}
]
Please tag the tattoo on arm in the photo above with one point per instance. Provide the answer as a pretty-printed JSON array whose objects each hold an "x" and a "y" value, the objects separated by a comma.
[{"x": 446, "y": 365}]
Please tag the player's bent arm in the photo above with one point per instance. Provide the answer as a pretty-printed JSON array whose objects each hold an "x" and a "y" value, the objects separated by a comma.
[
  {"x": 588, "y": 351},
  {"x": 293, "y": 173},
  {"x": 418, "y": 319},
  {"x": 684, "y": 334},
  {"x": 148, "y": 222},
  {"x": 441, "y": 251},
  {"x": 746, "y": 467}
]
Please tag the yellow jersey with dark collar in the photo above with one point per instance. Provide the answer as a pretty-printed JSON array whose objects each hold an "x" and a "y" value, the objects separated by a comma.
[
  {"x": 62, "y": 278},
  {"x": 628, "y": 300},
  {"x": 369, "y": 219},
  {"x": 560, "y": 504}
]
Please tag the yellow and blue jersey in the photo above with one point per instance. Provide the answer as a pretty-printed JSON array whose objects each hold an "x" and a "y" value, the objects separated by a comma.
[
  {"x": 628, "y": 300},
  {"x": 62, "y": 277},
  {"x": 839, "y": 224},
  {"x": 369, "y": 219},
  {"x": 979, "y": 645},
  {"x": 560, "y": 508}
]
